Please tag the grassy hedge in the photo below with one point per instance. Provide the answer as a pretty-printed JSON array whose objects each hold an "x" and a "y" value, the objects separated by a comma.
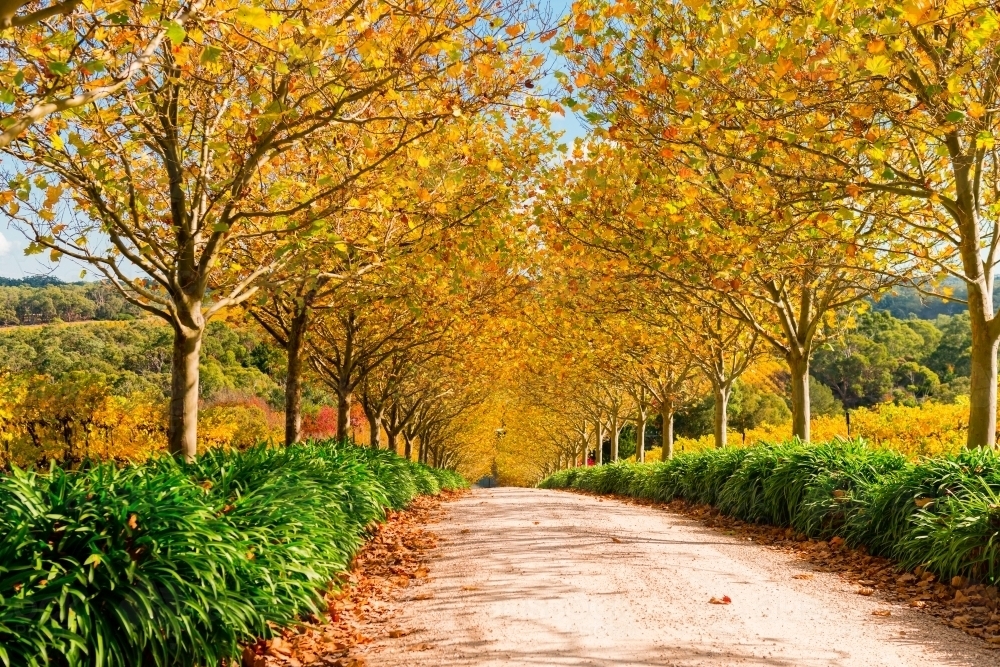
[
  {"x": 175, "y": 564},
  {"x": 941, "y": 513}
]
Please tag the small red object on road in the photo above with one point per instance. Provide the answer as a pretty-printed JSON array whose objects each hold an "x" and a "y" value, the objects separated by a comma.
[{"x": 723, "y": 600}]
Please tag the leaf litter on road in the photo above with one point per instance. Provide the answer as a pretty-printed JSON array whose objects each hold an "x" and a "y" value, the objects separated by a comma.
[{"x": 393, "y": 560}]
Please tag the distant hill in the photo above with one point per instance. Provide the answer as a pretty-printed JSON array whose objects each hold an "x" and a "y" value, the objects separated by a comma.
[
  {"x": 905, "y": 301},
  {"x": 43, "y": 299},
  {"x": 34, "y": 281}
]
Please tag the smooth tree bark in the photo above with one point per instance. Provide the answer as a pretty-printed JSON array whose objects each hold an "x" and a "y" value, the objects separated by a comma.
[
  {"x": 667, "y": 435},
  {"x": 293, "y": 378},
  {"x": 345, "y": 401},
  {"x": 801, "y": 412},
  {"x": 599, "y": 432},
  {"x": 374, "y": 427},
  {"x": 721, "y": 393},
  {"x": 640, "y": 435},
  {"x": 985, "y": 336},
  {"x": 182, "y": 428},
  {"x": 616, "y": 429}
]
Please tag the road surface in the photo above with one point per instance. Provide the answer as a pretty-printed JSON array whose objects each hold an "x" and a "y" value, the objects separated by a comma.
[{"x": 535, "y": 577}]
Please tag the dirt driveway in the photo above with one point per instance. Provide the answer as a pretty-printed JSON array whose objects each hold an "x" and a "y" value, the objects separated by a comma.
[{"x": 534, "y": 577}]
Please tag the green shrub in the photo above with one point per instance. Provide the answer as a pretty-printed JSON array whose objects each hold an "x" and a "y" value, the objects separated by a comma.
[
  {"x": 742, "y": 495},
  {"x": 176, "y": 564}
]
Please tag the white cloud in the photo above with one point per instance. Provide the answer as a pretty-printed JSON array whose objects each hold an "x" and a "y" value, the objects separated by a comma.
[{"x": 5, "y": 245}]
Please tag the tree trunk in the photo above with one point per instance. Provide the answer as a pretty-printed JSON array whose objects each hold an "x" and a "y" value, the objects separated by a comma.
[
  {"x": 615, "y": 434},
  {"x": 983, "y": 382},
  {"x": 799, "y": 368},
  {"x": 374, "y": 432},
  {"x": 721, "y": 416},
  {"x": 667, "y": 416},
  {"x": 293, "y": 380},
  {"x": 182, "y": 429},
  {"x": 599, "y": 454},
  {"x": 640, "y": 438},
  {"x": 407, "y": 447},
  {"x": 344, "y": 400}
]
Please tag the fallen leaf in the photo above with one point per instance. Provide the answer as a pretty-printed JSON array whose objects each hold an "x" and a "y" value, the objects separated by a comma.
[
  {"x": 470, "y": 588},
  {"x": 864, "y": 590},
  {"x": 881, "y": 612},
  {"x": 616, "y": 540},
  {"x": 919, "y": 604},
  {"x": 464, "y": 531},
  {"x": 397, "y": 633},
  {"x": 802, "y": 576},
  {"x": 723, "y": 600},
  {"x": 249, "y": 657}
]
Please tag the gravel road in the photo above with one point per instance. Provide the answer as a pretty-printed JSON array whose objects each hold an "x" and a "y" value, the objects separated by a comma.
[{"x": 534, "y": 577}]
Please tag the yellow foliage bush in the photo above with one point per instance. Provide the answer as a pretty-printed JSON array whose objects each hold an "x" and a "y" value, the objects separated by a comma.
[
  {"x": 75, "y": 418},
  {"x": 929, "y": 429},
  {"x": 237, "y": 426},
  {"x": 78, "y": 417}
]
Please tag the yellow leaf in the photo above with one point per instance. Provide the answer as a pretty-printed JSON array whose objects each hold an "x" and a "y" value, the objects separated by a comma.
[
  {"x": 514, "y": 30},
  {"x": 781, "y": 67},
  {"x": 255, "y": 17},
  {"x": 878, "y": 65},
  {"x": 52, "y": 195},
  {"x": 494, "y": 165},
  {"x": 424, "y": 161}
]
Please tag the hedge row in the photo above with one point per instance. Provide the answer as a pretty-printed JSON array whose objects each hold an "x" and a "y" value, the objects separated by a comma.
[
  {"x": 175, "y": 564},
  {"x": 941, "y": 513}
]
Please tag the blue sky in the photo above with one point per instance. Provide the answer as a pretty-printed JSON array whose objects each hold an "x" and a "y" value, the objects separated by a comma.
[{"x": 14, "y": 264}]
